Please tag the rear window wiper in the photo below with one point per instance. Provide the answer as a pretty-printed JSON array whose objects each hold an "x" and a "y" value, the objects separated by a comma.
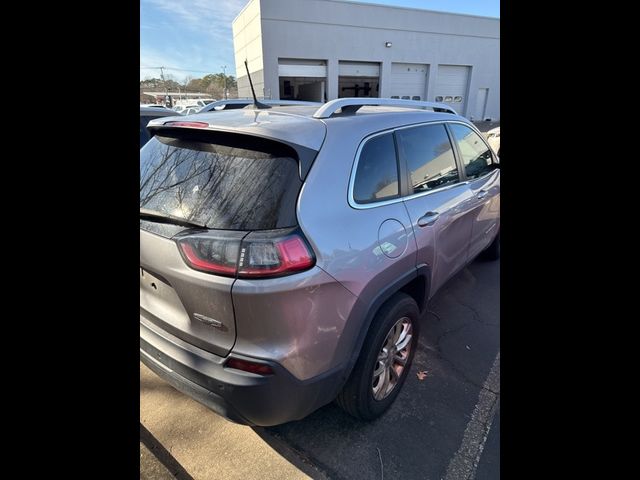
[{"x": 160, "y": 217}]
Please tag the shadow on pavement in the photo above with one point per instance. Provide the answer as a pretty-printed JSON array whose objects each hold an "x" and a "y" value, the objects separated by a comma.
[
  {"x": 293, "y": 455},
  {"x": 163, "y": 455},
  {"x": 422, "y": 431}
]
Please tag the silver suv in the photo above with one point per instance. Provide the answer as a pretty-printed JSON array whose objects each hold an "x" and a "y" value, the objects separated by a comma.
[{"x": 287, "y": 253}]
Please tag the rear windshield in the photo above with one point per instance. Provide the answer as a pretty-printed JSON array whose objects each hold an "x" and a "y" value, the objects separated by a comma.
[{"x": 234, "y": 183}]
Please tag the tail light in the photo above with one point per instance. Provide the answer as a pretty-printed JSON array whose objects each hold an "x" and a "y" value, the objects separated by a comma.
[
  {"x": 272, "y": 253},
  {"x": 212, "y": 252},
  {"x": 258, "y": 254}
]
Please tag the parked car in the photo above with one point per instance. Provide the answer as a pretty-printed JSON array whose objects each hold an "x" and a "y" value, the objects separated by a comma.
[
  {"x": 190, "y": 110},
  {"x": 204, "y": 102},
  {"x": 493, "y": 137},
  {"x": 154, "y": 105},
  {"x": 146, "y": 115},
  {"x": 286, "y": 256},
  {"x": 237, "y": 103}
]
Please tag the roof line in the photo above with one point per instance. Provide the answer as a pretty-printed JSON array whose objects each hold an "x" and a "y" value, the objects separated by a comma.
[
  {"x": 243, "y": 9},
  {"x": 414, "y": 9},
  {"x": 373, "y": 4},
  {"x": 373, "y": 27}
]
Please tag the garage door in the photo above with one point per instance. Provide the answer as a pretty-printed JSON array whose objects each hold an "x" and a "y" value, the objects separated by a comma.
[
  {"x": 302, "y": 79},
  {"x": 358, "y": 79},
  {"x": 452, "y": 86},
  {"x": 358, "y": 69},
  {"x": 288, "y": 67},
  {"x": 409, "y": 80}
]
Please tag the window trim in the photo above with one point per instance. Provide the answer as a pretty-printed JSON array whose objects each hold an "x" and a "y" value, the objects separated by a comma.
[
  {"x": 403, "y": 174},
  {"x": 404, "y": 179},
  {"x": 399, "y": 172},
  {"x": 457, "y": 155},
  {"x": 403, "y": 161}
]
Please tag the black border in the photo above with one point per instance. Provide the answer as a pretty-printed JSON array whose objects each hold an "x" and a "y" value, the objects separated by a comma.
[
  {"x": 74, "y": 327},
  {"x": 72, "y": 228}
]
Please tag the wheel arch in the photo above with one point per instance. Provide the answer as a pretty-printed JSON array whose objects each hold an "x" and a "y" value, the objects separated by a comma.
[{"x": 416, "y": 284}]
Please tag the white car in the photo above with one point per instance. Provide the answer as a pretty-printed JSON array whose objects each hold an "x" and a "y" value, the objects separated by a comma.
[
  {"x": 193, "y": 102},
  {"x": 154, "y": 105},
  {"x": 493, "y": 138},
  {"x": 188, "y": 110},
  {"x": 238, "y": 103}
]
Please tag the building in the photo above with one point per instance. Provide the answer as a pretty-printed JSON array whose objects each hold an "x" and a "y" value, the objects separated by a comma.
[{"x": 325, "y": 49}]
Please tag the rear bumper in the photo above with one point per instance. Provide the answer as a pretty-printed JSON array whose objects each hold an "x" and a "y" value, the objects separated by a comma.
[{"x": 239, "y": 396}]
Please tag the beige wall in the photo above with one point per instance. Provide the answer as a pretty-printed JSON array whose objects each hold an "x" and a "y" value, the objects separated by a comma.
[{"x": 247, "y": 44}]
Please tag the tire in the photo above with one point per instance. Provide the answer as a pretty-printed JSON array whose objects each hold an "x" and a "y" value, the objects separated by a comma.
[
  {"x": 358, "y": 397},
  {"x": 493, "y": 251}
]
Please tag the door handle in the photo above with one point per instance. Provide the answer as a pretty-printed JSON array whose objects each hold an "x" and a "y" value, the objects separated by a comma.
[
  {"x": 429, "y": 218},
  {"x": 482, "y": 194}
]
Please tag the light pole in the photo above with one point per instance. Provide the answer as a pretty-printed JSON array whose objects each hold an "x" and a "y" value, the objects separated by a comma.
[
  {"x": 164, "y": 84},
  {"x": 224, "y": 73}
]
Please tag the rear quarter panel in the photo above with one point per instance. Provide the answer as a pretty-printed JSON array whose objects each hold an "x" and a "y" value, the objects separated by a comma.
[{"x": 346, "y": 240}]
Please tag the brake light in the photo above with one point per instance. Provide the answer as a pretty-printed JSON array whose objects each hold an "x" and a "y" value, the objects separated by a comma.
[
  {"x": 196, "y": 260},
  {"x": 188, "y": 124},
  {"x": 259, "y": 254},
  {"x": 212, "y": 252},
  {"x": 251, "y": 367}
]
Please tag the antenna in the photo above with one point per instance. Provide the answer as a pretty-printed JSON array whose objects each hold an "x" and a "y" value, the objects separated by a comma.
[{"x": 256, "y": 103}]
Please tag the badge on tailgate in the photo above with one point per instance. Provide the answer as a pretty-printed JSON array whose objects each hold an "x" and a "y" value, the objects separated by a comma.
[{"x": 209, "y": 321}]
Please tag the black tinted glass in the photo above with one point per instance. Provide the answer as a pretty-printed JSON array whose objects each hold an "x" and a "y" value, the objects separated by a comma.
[
  {"x": 144, "y": 133},
  {"x": 377, "y": 173},
  {"x": 429, "y": 157},
  {"x": 221, "y": 186}
]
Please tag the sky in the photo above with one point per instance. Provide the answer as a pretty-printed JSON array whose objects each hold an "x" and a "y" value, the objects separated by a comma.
[{"x": 193, "y": 37}]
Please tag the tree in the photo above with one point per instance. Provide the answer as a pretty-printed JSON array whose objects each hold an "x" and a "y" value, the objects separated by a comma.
[
  {"x": 212, "y": 84},
  {"x": 194, "y": 85},
  {"x": 151, "y": 83}
]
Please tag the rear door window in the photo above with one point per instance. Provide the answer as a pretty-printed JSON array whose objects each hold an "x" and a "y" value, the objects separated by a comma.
[
  {"x": 429, "y": 156},
  {"x": 476, "y": 156},
  {"x": 233, "y": 182},
  {"x": 376, "y": 177}
]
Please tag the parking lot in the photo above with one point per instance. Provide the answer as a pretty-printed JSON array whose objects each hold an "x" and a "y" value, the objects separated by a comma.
[
  {"x": 444, "y": 426},
  {"x": 486, "y": 126}
]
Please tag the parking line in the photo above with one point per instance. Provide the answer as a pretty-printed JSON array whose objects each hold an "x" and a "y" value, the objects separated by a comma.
[{"x": 464, "y": 463}]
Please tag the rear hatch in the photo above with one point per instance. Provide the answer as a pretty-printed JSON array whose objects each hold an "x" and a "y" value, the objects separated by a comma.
[{"x": 201, "y": 194}]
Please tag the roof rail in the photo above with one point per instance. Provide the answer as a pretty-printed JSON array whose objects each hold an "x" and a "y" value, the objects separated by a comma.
[{"x": 353, "y": 104}]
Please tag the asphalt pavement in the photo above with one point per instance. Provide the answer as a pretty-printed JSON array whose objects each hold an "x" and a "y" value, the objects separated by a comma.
[{"x": 444, "y": 426}]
